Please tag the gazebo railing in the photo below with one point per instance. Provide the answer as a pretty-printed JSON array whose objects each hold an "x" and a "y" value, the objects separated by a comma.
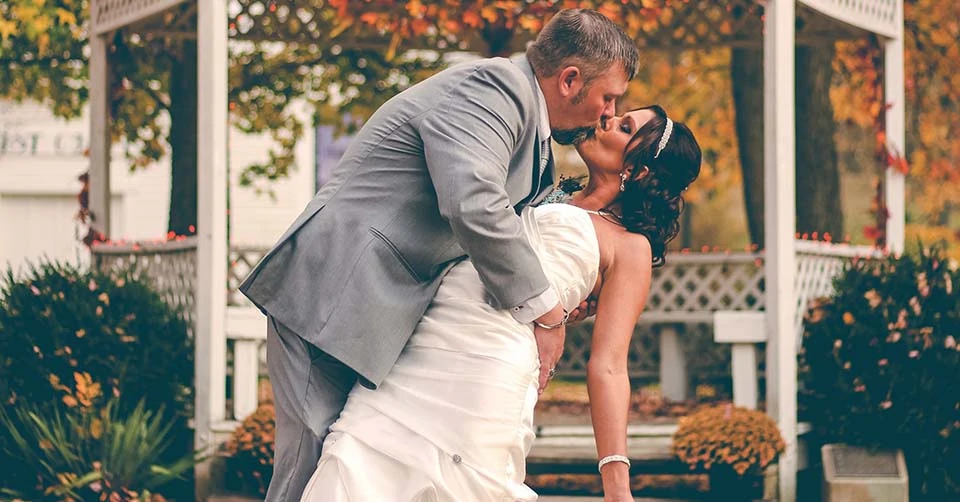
[
  {"x": 673, "y": 342},
  {"x": 171, "y": 267}
]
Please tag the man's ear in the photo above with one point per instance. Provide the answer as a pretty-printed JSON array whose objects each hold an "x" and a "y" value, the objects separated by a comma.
[{"x": 570, "y": 80}]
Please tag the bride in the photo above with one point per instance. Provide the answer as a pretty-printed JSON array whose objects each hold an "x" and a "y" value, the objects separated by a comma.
[{"x": 453, "y": 421}]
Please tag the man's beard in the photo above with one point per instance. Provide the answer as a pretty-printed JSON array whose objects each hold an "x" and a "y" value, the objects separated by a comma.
[{"x": 573, "y": 136}]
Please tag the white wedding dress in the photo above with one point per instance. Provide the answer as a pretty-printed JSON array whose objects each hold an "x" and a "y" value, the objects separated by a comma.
[{"x": 453, "y": 420}]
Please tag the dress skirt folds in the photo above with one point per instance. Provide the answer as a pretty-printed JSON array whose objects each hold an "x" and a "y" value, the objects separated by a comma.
[{"x": 453, "y": 420}]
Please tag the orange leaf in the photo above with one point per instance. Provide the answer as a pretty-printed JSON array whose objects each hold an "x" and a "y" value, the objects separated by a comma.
[{"x": 471, "y": 19}]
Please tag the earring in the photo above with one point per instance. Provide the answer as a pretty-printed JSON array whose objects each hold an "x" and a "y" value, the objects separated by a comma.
[{"x": 623, "y": 181}]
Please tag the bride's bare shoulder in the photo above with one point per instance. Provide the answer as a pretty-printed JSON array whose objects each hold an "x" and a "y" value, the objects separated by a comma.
[{"x": 630, "y": 251}]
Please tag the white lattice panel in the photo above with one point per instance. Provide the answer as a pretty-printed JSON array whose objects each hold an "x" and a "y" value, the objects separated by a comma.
[
  {"x": 883, "y": 17},
  {"x": 706, "y": 283},
  {"x": 242, "y": 261},
  {"x": 817, "y": 265},
  {"x": 107, "y": 15},
  {"x": 170, "y": 267}
]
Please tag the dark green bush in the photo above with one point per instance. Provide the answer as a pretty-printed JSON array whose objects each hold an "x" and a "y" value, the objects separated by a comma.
[
  {"x": 880, "y": 365},
  {"x": 57, "y": 320}
]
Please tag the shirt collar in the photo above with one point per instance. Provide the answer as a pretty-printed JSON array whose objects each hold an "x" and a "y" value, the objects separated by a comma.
[{"x": 544, "y": 126}]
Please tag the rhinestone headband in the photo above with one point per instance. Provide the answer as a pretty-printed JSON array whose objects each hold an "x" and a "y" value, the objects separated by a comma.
[{"x": 667, "y": 131}]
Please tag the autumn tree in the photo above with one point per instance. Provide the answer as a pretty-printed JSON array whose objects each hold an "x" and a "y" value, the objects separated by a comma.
[
  {"x": 346, "y": 57},
  {"x": 818, "y": 207},
  {"x": 354, "y": 58},
  {"x": 932, "y": 73},
  {"x": 153, "y": 91}
]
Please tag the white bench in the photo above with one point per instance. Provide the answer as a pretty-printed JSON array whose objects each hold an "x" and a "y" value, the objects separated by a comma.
[{"x": 744, "y": 330}]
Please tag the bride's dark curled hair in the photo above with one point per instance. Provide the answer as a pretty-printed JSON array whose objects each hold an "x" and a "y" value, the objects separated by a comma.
[{"x": 652, "y": 199}]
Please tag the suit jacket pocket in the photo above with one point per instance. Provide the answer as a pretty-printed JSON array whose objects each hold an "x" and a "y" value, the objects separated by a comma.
[{"x": 396, "y": 253}]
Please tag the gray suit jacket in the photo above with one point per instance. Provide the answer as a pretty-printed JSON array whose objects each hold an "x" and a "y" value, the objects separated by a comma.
[{"x": 439, "y": 172}]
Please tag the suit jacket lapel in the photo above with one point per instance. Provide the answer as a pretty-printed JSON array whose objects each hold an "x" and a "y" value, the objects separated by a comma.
[{"x": 542, "y": 181}]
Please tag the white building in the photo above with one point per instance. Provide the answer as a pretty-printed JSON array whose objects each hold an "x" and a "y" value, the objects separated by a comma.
[{"x": 41, "y": 158}]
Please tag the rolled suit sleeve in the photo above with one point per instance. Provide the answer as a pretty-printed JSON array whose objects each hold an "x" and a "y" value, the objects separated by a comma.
[
  {"x": 535, "y": 307},
  {"x": 468, "y": 141}
]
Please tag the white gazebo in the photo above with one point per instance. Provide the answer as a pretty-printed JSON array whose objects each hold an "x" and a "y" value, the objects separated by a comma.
[{"x": 194, "y": 272}]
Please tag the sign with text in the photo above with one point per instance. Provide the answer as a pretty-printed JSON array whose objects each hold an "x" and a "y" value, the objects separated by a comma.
[{"x": 27, "y": 143}]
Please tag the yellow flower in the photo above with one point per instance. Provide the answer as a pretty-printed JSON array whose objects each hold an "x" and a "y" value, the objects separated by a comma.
[
  {"x": 848, "y": 318},
  {"x": 96, "y": 428},
  {"x": 87, "y": 390}
]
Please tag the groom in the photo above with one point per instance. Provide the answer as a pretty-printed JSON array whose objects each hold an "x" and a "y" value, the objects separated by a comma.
[{"x": 438, "y": 173}]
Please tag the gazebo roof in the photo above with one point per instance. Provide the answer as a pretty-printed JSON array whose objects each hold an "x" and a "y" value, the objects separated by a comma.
[{"x": 681, "y": 24}]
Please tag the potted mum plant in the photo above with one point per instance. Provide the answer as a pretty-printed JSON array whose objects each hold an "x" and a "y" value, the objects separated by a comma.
[
  {"x": 249, "y": 453},
  {"x": 733, "y": 445}
]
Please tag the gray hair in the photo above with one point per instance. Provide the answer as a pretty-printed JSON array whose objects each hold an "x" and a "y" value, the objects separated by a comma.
[{"x": 583, "y": 38}]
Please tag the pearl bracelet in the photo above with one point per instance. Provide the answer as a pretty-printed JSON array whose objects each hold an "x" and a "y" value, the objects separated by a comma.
[{"x": 613, "y": 458}]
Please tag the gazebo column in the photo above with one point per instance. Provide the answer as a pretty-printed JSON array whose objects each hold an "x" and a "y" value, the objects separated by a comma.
[
  {"x": 99, "y": 135},
  {"x": 780, "y": 220},
  {"x": 894, "y": 96},
  {"x": 211, "y": 286}
]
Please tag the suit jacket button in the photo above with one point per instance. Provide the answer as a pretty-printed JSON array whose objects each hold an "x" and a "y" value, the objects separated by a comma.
[{"x": 457, "y": 459}]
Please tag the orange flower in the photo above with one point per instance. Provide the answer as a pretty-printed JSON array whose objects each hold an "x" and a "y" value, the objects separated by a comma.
[{"x": 746, "y": 440}]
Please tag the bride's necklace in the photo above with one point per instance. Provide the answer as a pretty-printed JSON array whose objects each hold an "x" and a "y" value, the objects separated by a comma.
[
  {"x": 563, "y": 194},
  {"x": 607, "y": 215}
]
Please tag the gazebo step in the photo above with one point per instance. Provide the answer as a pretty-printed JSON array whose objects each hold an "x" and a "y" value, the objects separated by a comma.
[
  {"x": 571, "y": 450},
  {"x": 565, "y": 498},
  {"x": 545, "y": 498}
]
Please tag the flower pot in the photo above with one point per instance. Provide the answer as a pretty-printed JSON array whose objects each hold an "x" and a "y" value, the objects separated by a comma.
[{"x": 726, "y": 485}]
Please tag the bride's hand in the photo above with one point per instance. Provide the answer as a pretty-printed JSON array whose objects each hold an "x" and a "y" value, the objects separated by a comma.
[{"x": 586, "y": 309}]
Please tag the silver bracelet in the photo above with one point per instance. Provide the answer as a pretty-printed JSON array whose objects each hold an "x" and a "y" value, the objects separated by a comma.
[
  {"x": 613, "y": 458},
  {"x": 562, "y": 322}
]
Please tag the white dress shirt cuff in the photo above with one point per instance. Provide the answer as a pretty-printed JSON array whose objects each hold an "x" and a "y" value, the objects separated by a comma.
[{"x": 535, "y": 307}]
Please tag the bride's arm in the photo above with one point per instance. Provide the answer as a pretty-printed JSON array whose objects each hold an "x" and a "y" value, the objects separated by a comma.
[{"x": 626, "y": 283}]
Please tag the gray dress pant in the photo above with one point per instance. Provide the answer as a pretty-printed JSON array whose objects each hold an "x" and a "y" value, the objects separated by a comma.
[{"x": 309, "y": 391}]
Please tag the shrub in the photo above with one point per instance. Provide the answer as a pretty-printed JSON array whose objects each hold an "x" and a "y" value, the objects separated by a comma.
[
  {"x": 727, "y": 436},
  {"x": 250, "y": 452},
  {"x": 59, "y": 319},
  {"x": 81, "y": 449},
  {"x": 880, "y": 365}
]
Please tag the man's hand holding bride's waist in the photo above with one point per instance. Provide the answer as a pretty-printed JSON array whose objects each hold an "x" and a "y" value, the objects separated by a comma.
[{"x": 550, "y": 331}]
